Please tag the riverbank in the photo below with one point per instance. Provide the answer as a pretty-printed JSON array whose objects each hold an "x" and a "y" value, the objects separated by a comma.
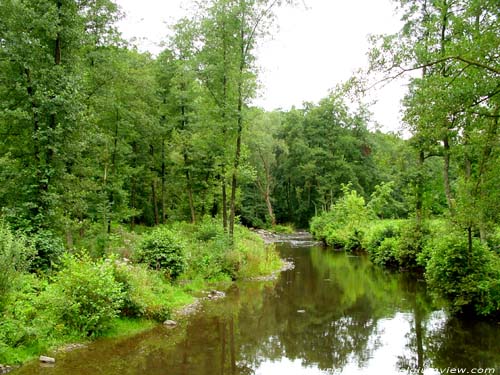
[
  {"x": 160, "y": 273},
  {"x": 461, "y": 271}
]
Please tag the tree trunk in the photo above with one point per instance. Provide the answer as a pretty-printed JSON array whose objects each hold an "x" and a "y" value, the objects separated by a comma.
[
  {"x": 224, "y": 199},
  {"x": 237, "y": 155},
  {"x": 133, "y": 185},
  {"x": 163, "y": 214},
  {"x": 270, "y": 209},
  {"x": 190, "y": 197},
  {"x": 446, "y": 174},
  {"x": 155, "y": 201},
  {"x": 420, "y": 189}
]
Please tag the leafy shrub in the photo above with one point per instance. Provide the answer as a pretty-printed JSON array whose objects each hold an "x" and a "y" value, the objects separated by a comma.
[
  {"x": 208, "y": 229},
  {"x": 283, "y": 228},
  {"x": 15, "y": 256},
  {"x": 343, "y": 225},
  {"x": 146, "y": 292},
  {"x": 494, "y": 239},
  {"x": 16, "y": 326},
  {"x": 381, "y": 242},
  {"x": 470, "y": 281},
  {"x": 411, "y": 244},
  {"x": 49, "y": 249},
  {"x": 162, "y": 250},
  {"x": 85, "y": 295},
  {"x": 250, "y": 256}
]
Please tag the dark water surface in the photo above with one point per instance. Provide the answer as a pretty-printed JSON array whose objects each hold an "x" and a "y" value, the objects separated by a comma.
[{"x": 332, "y": 314}]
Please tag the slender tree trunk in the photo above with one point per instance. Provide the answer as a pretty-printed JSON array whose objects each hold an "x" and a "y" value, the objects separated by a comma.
[
  {"x": 234, "y": 183},
  {"x": 155, "y": 201},
  {"x": 420, "y": 189},
  {"x": 163, "y": 214},
  {"x": 270, "y": 209},
  {"x": 446, "y": 174},
  {"x": 224, "y": 130},
  {"x": 265, "y": 190},
  {"x": 190, "y": 197},
  {"x": 239, "y": 112},
  {"x": 224, "y": 198},
  {"x": 133, "y": 185}
]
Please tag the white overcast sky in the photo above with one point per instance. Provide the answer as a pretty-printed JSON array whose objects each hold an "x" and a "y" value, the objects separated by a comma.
[{"x": 313, "y": 48}]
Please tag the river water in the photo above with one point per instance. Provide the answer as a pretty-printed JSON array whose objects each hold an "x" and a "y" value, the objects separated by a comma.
[{"x": 332, "y": 314}]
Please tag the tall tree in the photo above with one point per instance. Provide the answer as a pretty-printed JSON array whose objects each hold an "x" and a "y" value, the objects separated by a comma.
[
  {"x": 453, "y": 108},
  {"x": 41, "y": 96},
  {"x": 230, "y": 32}
]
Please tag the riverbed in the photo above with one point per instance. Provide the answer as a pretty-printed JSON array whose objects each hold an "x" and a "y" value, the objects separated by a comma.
[{"x": 331, "y": 314}]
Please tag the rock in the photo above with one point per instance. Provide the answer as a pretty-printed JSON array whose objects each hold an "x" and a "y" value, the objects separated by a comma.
[
  {"x": 70, "y": 347},
  {"x": 189, "y": 309},
  {"x": 45, "y": 359},
  {"x": 170, "y": 323},
  {"x": 215, "y": 294},
  {"x": 5, "y": 369}
]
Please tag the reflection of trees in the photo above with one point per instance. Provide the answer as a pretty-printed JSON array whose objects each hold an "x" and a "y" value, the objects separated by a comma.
[
  {"x": 463, "y": 344},
  {"x": 415, "y": 359},
  {"x": 342, "y": 299},
  {"x": 325, "y": 314},
  {"x": 441, "y": 343}
]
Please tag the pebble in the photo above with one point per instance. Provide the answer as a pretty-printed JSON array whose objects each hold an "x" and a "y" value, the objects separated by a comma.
[
  {"x": 46, "y": 359},
  {"x": 170, "y": 323}
]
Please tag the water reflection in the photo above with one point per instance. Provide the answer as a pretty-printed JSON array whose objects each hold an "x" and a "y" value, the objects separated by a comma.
[{"x": 332, "y": 314}]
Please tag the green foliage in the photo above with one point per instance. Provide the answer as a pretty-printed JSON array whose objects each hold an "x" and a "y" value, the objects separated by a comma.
[
  {"x": 412, "y": 241},
  {"x": 84, "y": 295},
  {"x": 381, "y": 241},
  {"x": 146, "y": 292},
  {"x": 494, "y": 240},
  {"x": 250, "y": 256},
  {"x": 49, "y": 249},
  {"x": 15, "y": 257},
  {"x": 26, "y": 322},
  {"x": 212, "y": 255},
  {"x": 343, "y": 225},
  {"x": 283, "y": 228},
  {"x": 467, "y": 280},
  {"x": 320, "y": 148},
  {"x": 162, "y": 249}
]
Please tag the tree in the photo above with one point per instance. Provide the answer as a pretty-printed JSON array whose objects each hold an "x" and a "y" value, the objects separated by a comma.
[
  {"x": 41, "y": 95},
  {"x": 452, "y": 109},
  {"x": 230, "y": 31}
]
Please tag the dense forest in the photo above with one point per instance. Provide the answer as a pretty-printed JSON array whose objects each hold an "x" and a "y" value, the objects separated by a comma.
[{"x": 100, "y": 141}]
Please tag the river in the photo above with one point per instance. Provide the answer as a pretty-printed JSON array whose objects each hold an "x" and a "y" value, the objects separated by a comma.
[{"x": 332, "y": 314}]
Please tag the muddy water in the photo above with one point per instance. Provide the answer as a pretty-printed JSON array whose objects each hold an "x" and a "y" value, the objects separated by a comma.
[{"x": 332, "y": 314}]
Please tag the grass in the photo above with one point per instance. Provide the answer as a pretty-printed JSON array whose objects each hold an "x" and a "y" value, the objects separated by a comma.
[{"x": 36, "y": 319}]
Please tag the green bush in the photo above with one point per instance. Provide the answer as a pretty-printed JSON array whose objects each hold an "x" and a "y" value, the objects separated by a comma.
[
  {"x": 20, "y": 313},
  {"x": 494, "y": 239},
  {"x": 85, "y": 295},
  {"x": 15, "y": 257},
  {"x": 411, "y": 244},
  {"x": 343, "y": 226},
  {"x": 469, "y": 281},
  {"x": 208, "y": 229},
  {"x": 146, "y": 292},
  {"x": 49, "y": 248},
  {"x": 163, "y": 250},
  {"x": 250, "y": 256},
  {"x": 381, "y": 242}
]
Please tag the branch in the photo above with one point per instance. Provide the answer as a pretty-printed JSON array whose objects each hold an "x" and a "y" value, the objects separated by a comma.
[
  {"x": 469, "y": 62},
  {"x": 256, "y": 25}
]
